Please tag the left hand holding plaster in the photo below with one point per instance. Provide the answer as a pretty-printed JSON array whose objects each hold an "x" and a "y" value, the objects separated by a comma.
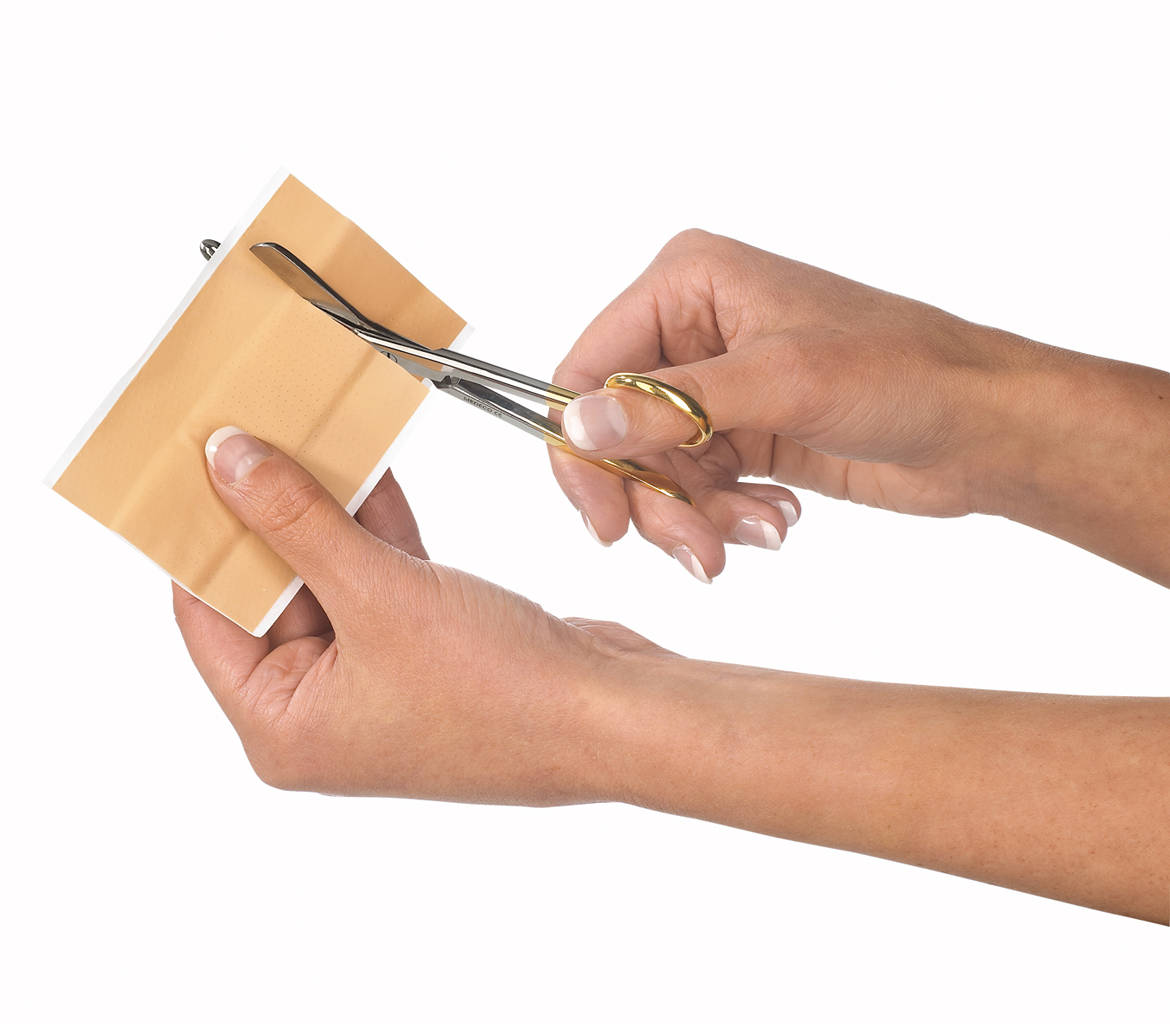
[{"x": 388, "y": 674}]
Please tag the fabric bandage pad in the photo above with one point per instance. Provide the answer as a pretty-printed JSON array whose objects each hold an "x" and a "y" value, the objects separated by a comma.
[{"x": 245, "y": 350}]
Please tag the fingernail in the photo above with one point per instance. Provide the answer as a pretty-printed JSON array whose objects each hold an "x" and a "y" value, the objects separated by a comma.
[
  {"x": 757, "y": 532},
  {"x": 686, "y": 558},
  {"x": 593, "y": 422},
  {"x": 233, "y": 454},
  {"x": 786, "y": 509},
  {"x": 593, "y": 532}
]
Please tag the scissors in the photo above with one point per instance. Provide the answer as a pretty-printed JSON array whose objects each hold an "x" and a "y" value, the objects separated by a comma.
[{"x": 475, "y": 381}]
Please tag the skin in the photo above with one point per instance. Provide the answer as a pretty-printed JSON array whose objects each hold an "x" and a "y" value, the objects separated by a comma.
[
  {"x": 820, "y": 382},
  {"x": 817, "y": 382}
]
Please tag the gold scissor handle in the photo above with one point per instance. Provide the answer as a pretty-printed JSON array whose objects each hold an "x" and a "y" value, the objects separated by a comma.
[
  {"x": 679, "y": 400},
  {"x": 631, "y": 470},
  {"x": 558, "y": 397},
  {"x": 647, "y": 477}
]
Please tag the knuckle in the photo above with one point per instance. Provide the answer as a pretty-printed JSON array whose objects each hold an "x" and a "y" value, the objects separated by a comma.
[
  {"x": 564, "y": 370},
  {"x": 697, "y": 247},
  {"x": 685, "y": 381},
  {"x": 403, "y": 538},
  {"x": 272, "y": 771},
  {"x": 293, "y": 508},
  {"x": 280, "y": 766},
  {"x": 688, "y": 240}
]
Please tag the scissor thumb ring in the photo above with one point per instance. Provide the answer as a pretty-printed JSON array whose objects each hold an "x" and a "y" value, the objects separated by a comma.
[{"x": 677, "y": 399}]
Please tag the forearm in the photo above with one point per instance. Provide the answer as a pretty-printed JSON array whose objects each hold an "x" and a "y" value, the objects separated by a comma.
[
  {"x": 1079, "y": 447},
  {"x": 1066, "y": 797}
]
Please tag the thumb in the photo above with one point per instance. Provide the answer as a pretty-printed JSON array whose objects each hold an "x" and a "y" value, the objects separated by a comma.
[
  {"x": 289, "y": 510},
  {"x": 735, "y": 389}
]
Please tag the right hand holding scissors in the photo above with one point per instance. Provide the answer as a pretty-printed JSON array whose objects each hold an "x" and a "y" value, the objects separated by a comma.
[{"x": 808, "y": 378}]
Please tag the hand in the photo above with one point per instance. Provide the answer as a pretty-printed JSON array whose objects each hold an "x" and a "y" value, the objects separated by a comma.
[
  {"x": 391, "y": 675},
  {"x": 810, "y": 379},
  {"x": 394, "y": 676}
]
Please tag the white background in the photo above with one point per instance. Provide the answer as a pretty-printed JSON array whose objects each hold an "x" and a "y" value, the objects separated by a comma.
[{"x": 1007, "y": 163}]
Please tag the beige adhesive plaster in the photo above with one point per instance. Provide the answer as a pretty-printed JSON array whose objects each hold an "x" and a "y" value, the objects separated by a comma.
[{"x": 248, "y": 351}]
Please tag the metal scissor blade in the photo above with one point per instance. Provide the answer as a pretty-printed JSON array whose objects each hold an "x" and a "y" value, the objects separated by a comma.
[
  {"x": 311, "y": 287},
  {"x": 303, "y": 280},
  {"x": 438, "y": 365},
  {"x": 445, "y": 367},
  {"x": 431, "y": 364}
]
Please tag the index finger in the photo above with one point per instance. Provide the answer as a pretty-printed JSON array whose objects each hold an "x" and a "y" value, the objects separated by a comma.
[
  {"x": 623, "y": 336},
  {"x": 667, "y": 317}
]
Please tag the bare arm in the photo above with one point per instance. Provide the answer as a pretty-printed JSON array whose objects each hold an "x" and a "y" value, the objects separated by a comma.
[
  {"x": 1062, "y": 796},
  {"x": 1081, "y": 450}
]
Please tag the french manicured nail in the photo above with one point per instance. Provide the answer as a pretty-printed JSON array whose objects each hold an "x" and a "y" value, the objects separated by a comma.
[
  {"x": 686, "y": 558},
  {"x": 593, "y": 531},
  {"x": 786, "y": 509},
  {"x": 233, "y": 454},
  {"x": 594, "y": 421},
  {"x": 757, "y": 532}
]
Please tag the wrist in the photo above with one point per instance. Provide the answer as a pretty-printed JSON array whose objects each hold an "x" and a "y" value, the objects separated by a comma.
[
  {"x": 668, "y": 723},
  {"x": 1019, "y": 409},
  {"x": 1031, "y": 407},
  {"x": 1075, "y": 445},
  {"x": 631, "y": 724}
]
